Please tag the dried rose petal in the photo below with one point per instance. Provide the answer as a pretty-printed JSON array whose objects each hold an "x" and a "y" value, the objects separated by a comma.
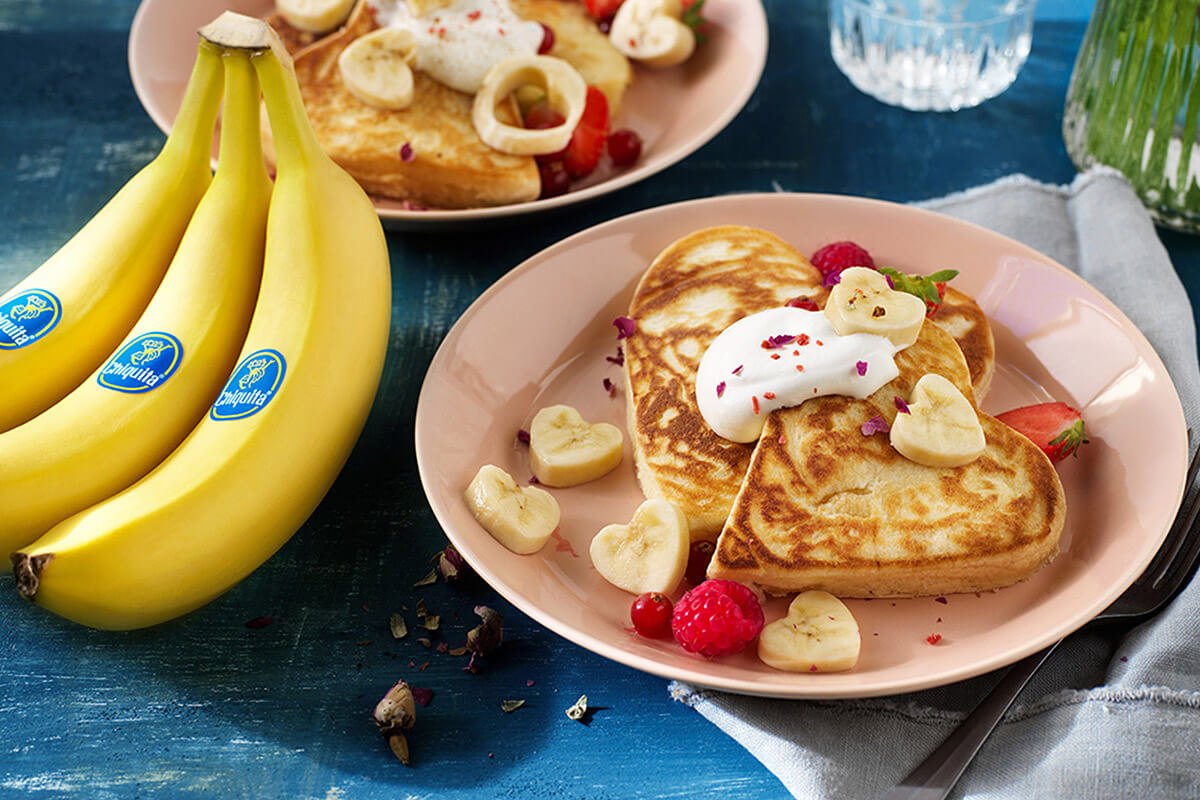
[
  {"x": 720, "y": 388},
  {"x": 802, "y": 302},
  {"x": 523, "y": 436},
  {"x": 579, "y": 710},
  {"x": 406, "y": 153},
  {"x": 429, "y": 579},
  {"x": 876, "y": 424},
  {"x": 833, "y": 278},
  {"x": 776, "y": 342},
  {"x": 618, "y": 359},
  {"x": 738, "y": 369},
  {"x": 625, "y": 327},
  {"x": 609, "y": 387},
  {"x": 861, "y": 366},
  {"x": 422, "y": 697},
  {"x": 509, "y": 706},
  {"x": 901, "y": 406},
  {"x": 398, "y": 626},
  {"x": 259, "y": 622},
  {"x": 451, "y": 566}
]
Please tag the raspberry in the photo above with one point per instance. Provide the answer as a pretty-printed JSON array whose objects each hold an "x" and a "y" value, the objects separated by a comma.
[
  {"x": 831, "y": 259},
  {"x": 651, "y": 615},
  {"x": 717, "y": 618}
]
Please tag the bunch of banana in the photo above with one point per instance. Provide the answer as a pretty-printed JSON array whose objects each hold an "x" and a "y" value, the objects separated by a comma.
[{"x": 281, "y": 426}]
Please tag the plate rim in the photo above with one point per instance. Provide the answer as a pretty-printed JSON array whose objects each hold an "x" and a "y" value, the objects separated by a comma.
[
  {"x": 682, "y": 672},
  {"x": 435, "y": 219}
]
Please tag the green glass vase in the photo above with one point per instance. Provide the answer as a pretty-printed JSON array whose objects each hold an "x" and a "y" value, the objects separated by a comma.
[{"x": 1134, "y": 101}]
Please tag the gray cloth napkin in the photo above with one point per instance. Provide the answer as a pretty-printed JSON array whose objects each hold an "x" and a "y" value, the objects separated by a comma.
[{"x": 1104, "y": 718}]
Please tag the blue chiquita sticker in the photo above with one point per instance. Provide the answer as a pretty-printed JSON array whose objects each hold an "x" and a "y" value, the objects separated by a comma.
[
  {"x": 143, "y": 364},
  {"x": 251, "y": 387},
  {"x": 27, "y": 317}
]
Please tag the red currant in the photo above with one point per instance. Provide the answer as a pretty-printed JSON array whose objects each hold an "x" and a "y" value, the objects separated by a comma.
[
  {"x": 547, "y": 39},
  {"x": 555, "y": 180},
  {"x": 699, "y": 554},
  {"x": 624, "y": 147},
  {"x": 651, "y": 615},
  {"x": 541, "y": 115}
]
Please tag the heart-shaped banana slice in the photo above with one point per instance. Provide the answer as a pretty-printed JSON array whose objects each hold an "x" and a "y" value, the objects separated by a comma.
[
  {"x": 567, "y": 450},
  {"x": 819, "y": 634},
  {"x": 941, "y": 428},
  {"x": 649, "y": 554},
  {"x": 314, "y": 16},
  {"x": 864, "y": 303},
  {"x": 519, "y": 517},
  {"x": 376, "y": 68},
  {"x": 651, "y": 32},
  {"x": 565, "y": 90}
]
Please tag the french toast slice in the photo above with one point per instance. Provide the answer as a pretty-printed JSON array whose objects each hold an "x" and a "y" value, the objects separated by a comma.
[
  {"x": 692, "y": 291},
  {"x": 825, "y": 506},
  {"x": 449, "y": 166},
  {"x": 695, "y": 289}
]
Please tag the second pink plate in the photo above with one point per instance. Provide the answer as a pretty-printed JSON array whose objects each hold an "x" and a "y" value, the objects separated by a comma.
[
  {"x": 675, "y": 110},
  {"x": 543, "y": 335}
]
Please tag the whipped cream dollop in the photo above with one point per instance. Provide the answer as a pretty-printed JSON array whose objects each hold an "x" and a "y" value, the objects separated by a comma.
[
  {"x": 458, "y": 44},
  {"x": 779, "y": 358}
]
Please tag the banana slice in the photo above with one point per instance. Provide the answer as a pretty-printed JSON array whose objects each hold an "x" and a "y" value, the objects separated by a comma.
[
  {"x": 565, "y": 90},
  {"x": 819, "y": 634},
  {"x": 314, "y": 16},
  {"x": 520, "y": 518},
  {"x": 567, "y": 450},
  {"x": 941, "y": 429},
  {"x": 650, "y": 31},
  {"x": 649, "y": 554},
  {"x": 422, "y": 7},
  {"x": 864, "y": 303},
  {"x": 376, "y": 68}
]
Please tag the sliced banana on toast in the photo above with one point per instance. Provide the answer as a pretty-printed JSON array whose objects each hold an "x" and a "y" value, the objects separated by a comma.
[
  {"x": 649, "y": 554},
  {"x": 519, "y": 517},
  {"x": 863, "y": 302},
  {"x": 376, "y": 68},
  {"x": 819, "y": 634},
  {"x": 567, "y": 450},
  {"x": 941, "y": 428}
]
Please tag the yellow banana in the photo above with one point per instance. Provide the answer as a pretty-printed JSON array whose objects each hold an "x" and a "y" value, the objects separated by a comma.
[
  {"x": 133, "y": 411},
  {"x": 271, "y": 445},
  {"x": 65, "y": 318}
]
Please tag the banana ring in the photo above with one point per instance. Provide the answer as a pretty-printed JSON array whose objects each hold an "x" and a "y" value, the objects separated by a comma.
[{"x": 566, "y": 92}]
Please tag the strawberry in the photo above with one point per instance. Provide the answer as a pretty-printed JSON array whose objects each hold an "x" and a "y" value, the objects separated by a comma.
[
  {"x": 1055, "y": 427},
  {"x": 602, "y": 9},
  {"x": 930, "y": 288},
  {"x": 587, "y": 141}
]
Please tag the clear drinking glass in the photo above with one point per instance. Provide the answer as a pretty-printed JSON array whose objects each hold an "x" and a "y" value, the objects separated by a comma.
[
  {"x": 931, "y": 55},
  {"x": 1134, "y": 102}
]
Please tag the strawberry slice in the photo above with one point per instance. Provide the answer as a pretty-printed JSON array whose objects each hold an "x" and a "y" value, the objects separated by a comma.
[
  {"x": 602, "y": 9},
  {"x": 930, "y": 288},
  {"x": 587, "y": 142},
  {"x": 1056, "y": 428}
]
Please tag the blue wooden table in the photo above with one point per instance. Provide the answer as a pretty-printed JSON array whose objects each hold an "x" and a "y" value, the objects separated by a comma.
[{"x": 206, "y": 706}]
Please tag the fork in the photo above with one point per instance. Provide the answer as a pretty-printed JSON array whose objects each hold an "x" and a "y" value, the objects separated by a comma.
[{"x": 1166, "y": 575}]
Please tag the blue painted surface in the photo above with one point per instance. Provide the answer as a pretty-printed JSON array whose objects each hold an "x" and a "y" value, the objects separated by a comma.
[{"x": 207, "y": 707}]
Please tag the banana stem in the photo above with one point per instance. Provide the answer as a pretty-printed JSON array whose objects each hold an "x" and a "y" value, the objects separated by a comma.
[
  {"x": 296, "y": 145},
  {"x": 191, "y": 135},
  {"x": 241, "y": 148}
]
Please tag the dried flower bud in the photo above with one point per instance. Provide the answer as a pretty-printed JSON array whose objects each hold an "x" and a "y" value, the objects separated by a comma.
[
  {"x": 579, "y": 710},
  {"x": 484, "y": 639},
  {"x": 394, "y": 714},
  {"x": 451, "y": 566}
]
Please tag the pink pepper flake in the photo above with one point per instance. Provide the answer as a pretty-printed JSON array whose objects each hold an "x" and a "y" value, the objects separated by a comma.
[
  {"x": 755, "y": 402},
  {"x": 802, "y": 339},
  {"x": 422, "y": 697},
  {"x": 523, "y": 436},
  {"x": 625, "y": 327},
  {"x": 618, "y": 359},
  {"x": 774, "y": 356},
  {"x": 769, "y": 395},
  {"x": 799, "y": 368},
  {"x": 259, "y": 622},
  {"x": 874, "y": 425},
  {"x": 406, "y": 153},
  {"x": 738, "y": 370},
  {"x": 933, "y": 638},
  {"x": 901, "y": 406},
  {"x": 609, "y": 387},
  {"x": 720, "y": 388},
  {"x": 861, "y": 366},
  {"x": 474, "y": 15}
]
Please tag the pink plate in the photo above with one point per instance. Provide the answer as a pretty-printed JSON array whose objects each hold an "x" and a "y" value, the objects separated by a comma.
[
  {"x": 541, "y": 335},
  {"x": 701, "y": 96}
]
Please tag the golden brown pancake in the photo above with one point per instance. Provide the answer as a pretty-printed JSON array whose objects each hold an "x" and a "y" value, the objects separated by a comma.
[
  {"x": 962, "y": 318},
  {"x": 450, "y": 166},
  {"x": 824, "y": 506}
]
